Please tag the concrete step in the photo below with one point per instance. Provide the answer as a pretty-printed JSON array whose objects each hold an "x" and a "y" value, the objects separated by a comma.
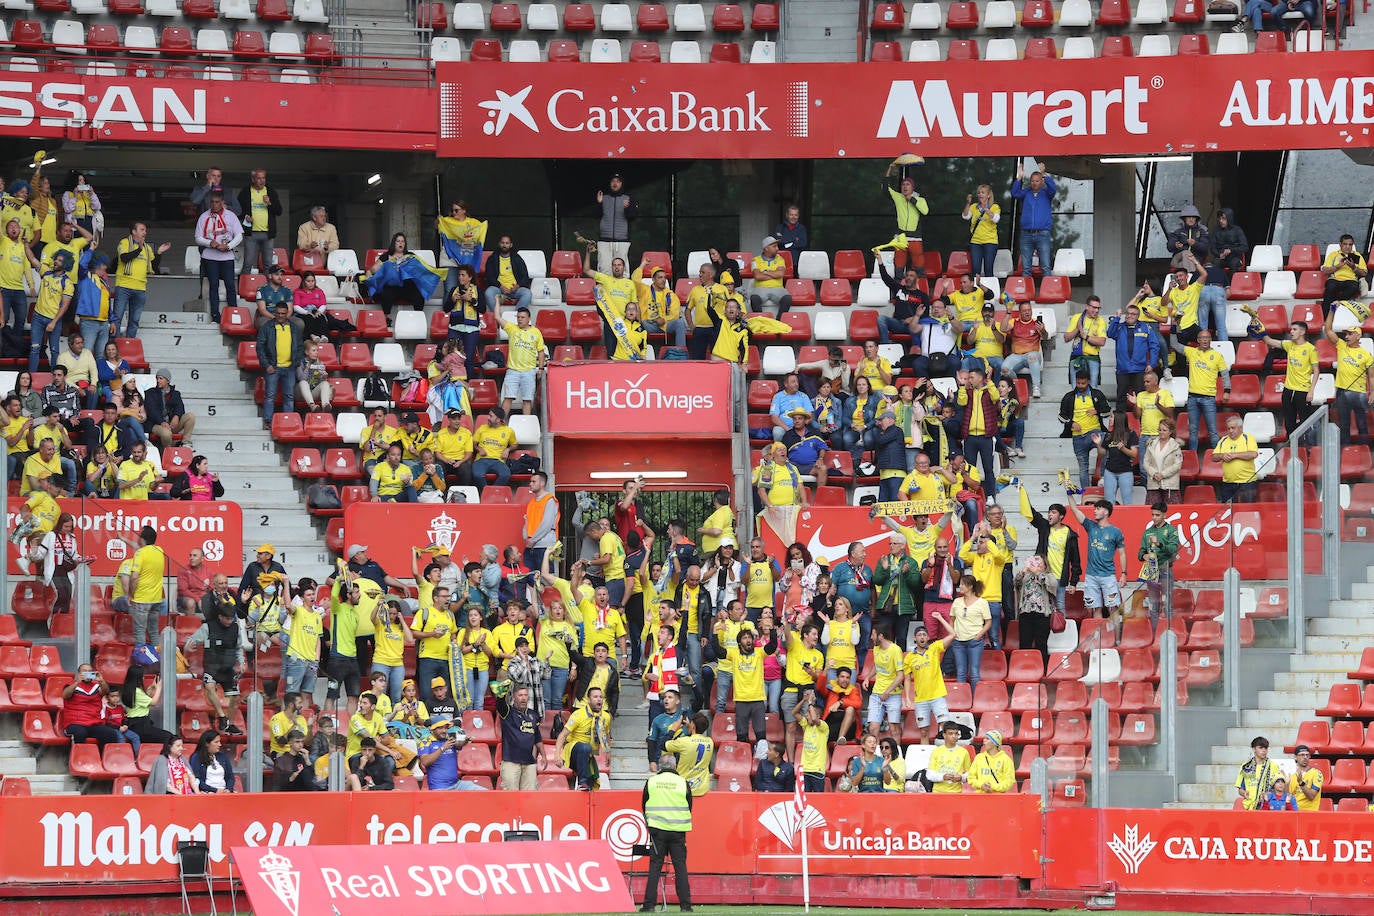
[
  {"x": 1343, "y": 644},
  {"x": 1296, "y": 698},
  {"x": 1325, "y": 661},
  {"x": 1276, "y": 719},
  {"x": 18, "y": 763},
  {"x": 1198, "y": 795},
  {"x": 1353, "y": 627},
  {"x": 1320, "y": 682}
]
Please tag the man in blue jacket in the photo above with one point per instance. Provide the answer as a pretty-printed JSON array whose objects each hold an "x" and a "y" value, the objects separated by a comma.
[
  {"x": 1037, "y": 215},
  {"x": 1137, "y": 349}
]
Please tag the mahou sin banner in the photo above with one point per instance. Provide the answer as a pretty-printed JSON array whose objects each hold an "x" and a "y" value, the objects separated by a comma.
[
  {"x": 837, "y": 110},
  {"x": 107, "y": 529},
  {"x": 639, "y": 398}
]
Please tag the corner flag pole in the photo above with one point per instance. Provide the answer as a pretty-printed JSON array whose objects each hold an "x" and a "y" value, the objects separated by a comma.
[{"x": 806, "y": 873}]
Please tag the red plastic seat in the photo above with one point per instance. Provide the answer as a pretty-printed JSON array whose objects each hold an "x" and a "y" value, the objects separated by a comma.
[
  {"x": 989, "y": 696},
  {"x": 1028, "y": 697},
  {"x": 505, "y": 17},
  {"x": 579, "y": 17},
  {"x": 1270, "y": 42},
  {"x": 1303, "y": 257},
  {"x": 727, "y": 17},
  {"x": 52, "y": 6},
  {"x": 836, "y": 292},
  {"x": 962, "y": 15},
  {"x": 356, "y": 357},
  {"x": 1019, "y": 288},
  {"x": 1246, "y": 285},
  {"x": 644, "y": 52},
  {"x": 565, "y": 265},
  {"x": 32, "y": 601},
  {"x": 652, "y": 17},
  {"x": 1188, "y": 12},
  {"x": 803, "y": 292},
  {"x": 850, "y": 264},
  {"x": 725, "y": 52},
  {"x": 274, "y": 10},
  {"x": 1041, "y": 49},
  {"x": 1194, "y": 45},
  {"x": 584, "y": 326},
  {"x": 236, "y": 321},
  {"x": 37, "y": 728},
  {"x": 488, "y": 49},
  {"x": 888, "y": 17},
  {"x": 1053, "y": 290},
  {"x": 1114, "y": 13},
  {"x": 885, "y": 52},
  {"x": 563, "y": 51},
  {"x": 962, "y": 49},
  {"x": 175, "y": 40},
  {"x": 118, "y": 760},
  {"x": 102, "y": 37},
  {"x": 319, "y": 47},
  {"x": 1037, "y": 14},
  {"x": 85, "y": 763},
  {"x": 765, "y": 18},
  {"x": 1347, "y": 776},
  {"x": 1311, "y": 285},
  {"x": 481, "y": 727},
  {"x": 1025, "y": 666},
  {"x": 432, "y": 16},
  {"x": 1117, "y": 46}
]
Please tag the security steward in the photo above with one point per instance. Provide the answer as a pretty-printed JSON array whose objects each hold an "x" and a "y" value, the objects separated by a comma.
[{"x": 667, "y": 807}]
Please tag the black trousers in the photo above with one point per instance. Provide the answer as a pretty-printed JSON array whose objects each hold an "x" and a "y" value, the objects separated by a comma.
[
  {"x": 1295, "y": 411},
  {"x": 1132, "y": 382},
  {"x": 1035, "y": 634},
  {"x": 668, "y": 843}
]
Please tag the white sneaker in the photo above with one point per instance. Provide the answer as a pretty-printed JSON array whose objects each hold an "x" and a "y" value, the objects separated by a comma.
[{"x": 1035, "y": 392}]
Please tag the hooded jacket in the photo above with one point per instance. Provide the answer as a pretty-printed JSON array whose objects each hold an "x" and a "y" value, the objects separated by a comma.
[{"x": 1230, "y": 236}]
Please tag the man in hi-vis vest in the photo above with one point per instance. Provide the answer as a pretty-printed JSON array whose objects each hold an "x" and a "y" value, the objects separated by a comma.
[{"x": 668, "y": 812}]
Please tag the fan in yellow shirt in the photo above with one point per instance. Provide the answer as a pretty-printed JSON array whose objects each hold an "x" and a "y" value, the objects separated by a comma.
[
  {"x": 992, "y": 770},
  {"x": 949, "y": 763},
  {"x": 694, "y": 752}
]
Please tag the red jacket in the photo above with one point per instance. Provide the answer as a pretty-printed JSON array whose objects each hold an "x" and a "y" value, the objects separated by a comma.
[{"x": 86, "y": 705}]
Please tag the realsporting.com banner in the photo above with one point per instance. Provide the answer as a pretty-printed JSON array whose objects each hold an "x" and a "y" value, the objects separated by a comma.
[
  {"x": 107, "y": 529},
  {"x": 949, "y": 108}
]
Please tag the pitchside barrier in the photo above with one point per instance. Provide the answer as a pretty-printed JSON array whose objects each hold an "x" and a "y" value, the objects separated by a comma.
[{"x": 745, "y": 847}]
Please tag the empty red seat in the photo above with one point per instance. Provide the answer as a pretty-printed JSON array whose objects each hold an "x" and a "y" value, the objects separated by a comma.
[
  {"x": 356, "y": 357},
  {"x": 579, "y": 17},
  {"x": 432, "y": 16},
  {"x": 85, "y": 763},
  {"x": 319, "y": 46},
  {"x": 1025, "y": 666},
  {"x": 1041, "y": 49},
  {"x": 488, "y": 49},
  {"x": 1037, "y": 14},
  {"x": 1114, "y": 13},
  {"x": 176, "y": 40},
  {"x": 371, "y": 324},
  {"x": 52, "y": 6},
  {"x": 962, "y": 15},
  {"x": 850, "y": 264},
  {"x": 505, "y": 17},
  {"x": 765, "y": 18},
  {"x": 199, "y": 9},
  {"x": 1311, "y": 284},
  {"x": 1117, "y": 46},
  {"x": 29, "y": 34},
  {"x": 274, "y": 10},
  {"x": 1246, "y": 285},
  {"x": 1303, "y": 257},
  {"x": 885, "y": 52},
  {"x": 652, "y": 17},
  {"x": 1019, "y": 288},
  {"x": 1053, "y": 289},
  {"x": 962, "y": 49},
  {"x": 836, "y": 292},
  {"x": 249, "y": 44},
  {"x": 1270, "y": 42},
  {"x": 1193, "y": 44},
  {"x": 725, "y": 52},
  {"x": 888, "y": 17},
  {"x": 803, "y": 292},
  {"x": 644, "y": 52},
  {"x": 584, "y": 326},
  {"x": 727, "y": 17},
  {"x": 102, "y": 36},
  {"x": 565, "y": 264},
  {"x": 563, "y": 51}
]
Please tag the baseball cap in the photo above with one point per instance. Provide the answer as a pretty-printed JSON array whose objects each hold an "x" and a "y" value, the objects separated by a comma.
[
  {"x": 454, "y": 412},
  {"x": 276, "y": 269},
  {"x": 1302, "y": 749},
  {"x": 768, "y": 241},
  {"x": 409, "y": 417},
  {"x": 354, "y": 549},
  {"x": 266, "y": 548},
  {"x": 438, "y": 682}
]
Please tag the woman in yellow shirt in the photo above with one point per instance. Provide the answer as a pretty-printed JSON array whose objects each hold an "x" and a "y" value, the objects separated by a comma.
[
  {"x": 102, "y": 476},
  {"x": 894, "y": 767},
  {"x": 983, "y": 216},
  {"x": 840, "y": 635},
  {"x": 556, "y": 635},
  {"x": 473, "y": 644},
  {"x": 392, "y": 635}
]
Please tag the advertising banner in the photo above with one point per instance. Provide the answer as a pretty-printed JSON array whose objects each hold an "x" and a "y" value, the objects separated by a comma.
[
  {"x": 1210, "y": 851},
  {"x": 113, "y": 838},
  {"x": 555, "y": 877},
  {"x": 640, "y": 398},
  {"x": 107, "y": 529},
  {"x": 1211, "y": 537},
  {"x": 945, "y": 108},
  {"x": 390, "y": 530}
]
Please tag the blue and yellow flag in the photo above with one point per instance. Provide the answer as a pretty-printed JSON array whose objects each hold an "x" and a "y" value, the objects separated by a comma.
[
  {"x": 395, "y": 273},
  {"x": 463, "y": 240}
]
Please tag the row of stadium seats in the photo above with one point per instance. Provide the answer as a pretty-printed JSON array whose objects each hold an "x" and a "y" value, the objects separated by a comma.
[
  {"x": 144, "y": 69},
  {"x": 602, "y": 51},
  {"x": 1085, "y": 47},
  {"x": 614, "y": 17},
  {"x": 312, "y": 11},
  {"x": 71, "y": 36},
  {"x": 1034, "y": 14}
]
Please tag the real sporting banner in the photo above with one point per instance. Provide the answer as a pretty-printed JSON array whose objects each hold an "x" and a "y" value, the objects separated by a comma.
[
  {"x": 389, "y": 531},
  {"x": 96, "y": 839},
  {"x": 1211, "y": 537},
  {"x": 1192, "y": 850},
  {"x": 561, "y": 876},
  {"x": 949, "y": 108},
  {"x": 107, "y": 529},
  {"x": 653, "y": 398}
]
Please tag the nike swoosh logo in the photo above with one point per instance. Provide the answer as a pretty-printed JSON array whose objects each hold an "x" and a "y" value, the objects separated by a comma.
[{"x": 837, "y": 552}]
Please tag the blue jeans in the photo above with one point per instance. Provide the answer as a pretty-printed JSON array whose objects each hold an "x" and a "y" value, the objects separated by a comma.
[
  {"x": 68, "y": 475},
  {"x": 1082, "y": 445},
  {"x": 677, "y": 331},
  {"x": 407, "y": 495},
  {"x": 694, "y": 656},
  {"x": 995, "y": 631},
  {"x": 887, "y": 326},
  {"x": 285, "y": 378},
  {"x": 1094, "y": 367},
  {"x": 852, "y": 441},
  {"x": 217, "y": 272},
  {"x": 772, "y": 691},
  {"x": 477, "y": 685},
  {"x": 96, "y": 334},
  {"x": 581, "y": 759},
  {"x": 482, "y": 466},
  {"x": 976, "y": 362},
  {"x": 554, "y": 685},
  {"x": 865, "y": 621},
  {"x": 16, "y": 303},
  {"x": 1035, "y": 241},
  {"x": 133, "y": 300},
  {"x": 1205, "y": 406},
  {"x": 968, "y": 660},
  {"x": 1118, "y": 488},
  {"x": 395, "y": 674},
  {"x": 490, "y": 294},
  {"x": 298, "y": 674},
  {"x": 1016, "y": 429},
  {"x": 37, "y": 331},
  {"x": 426, "y": 670},
  {"x": 982, "y": 258},
  {"x": 889, "y": 489},
  {"x": 724, "y": 681},
  {"x": 133, "y": 428},
  {"x": 1211, "y": 312},
  {"x": 983, "y": 447},
  {"x": 1033, "y": 362}
]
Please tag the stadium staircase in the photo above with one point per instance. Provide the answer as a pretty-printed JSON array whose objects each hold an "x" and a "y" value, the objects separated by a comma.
[
  {"x": 253, "y": 472},
  {"x": 819, "y": 30},
  {"x": 1334, "y": 644}
]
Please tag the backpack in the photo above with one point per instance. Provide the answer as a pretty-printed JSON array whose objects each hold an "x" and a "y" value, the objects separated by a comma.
[
  {"x": 524, "y": 464},
  {"x": 673, "y": 354},
  {"x": 375, "y": 388},
  {"x": 322, "y": 496}
]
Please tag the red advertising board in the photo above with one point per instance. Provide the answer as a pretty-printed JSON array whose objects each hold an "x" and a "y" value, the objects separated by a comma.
[
  {"x": 569, "y": 876},
  {"x": 121, "y": 109},
  {"x": 390, "y": 530},
  {"x": 949, "y": 108},
  {"x": 1252, "y": 537},
  {"x": 108, "y": 530},
  {"x": 1210, "y": 851},
  {"x": 640, "y": 398},
  {"x": 98, "y": 839}
]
